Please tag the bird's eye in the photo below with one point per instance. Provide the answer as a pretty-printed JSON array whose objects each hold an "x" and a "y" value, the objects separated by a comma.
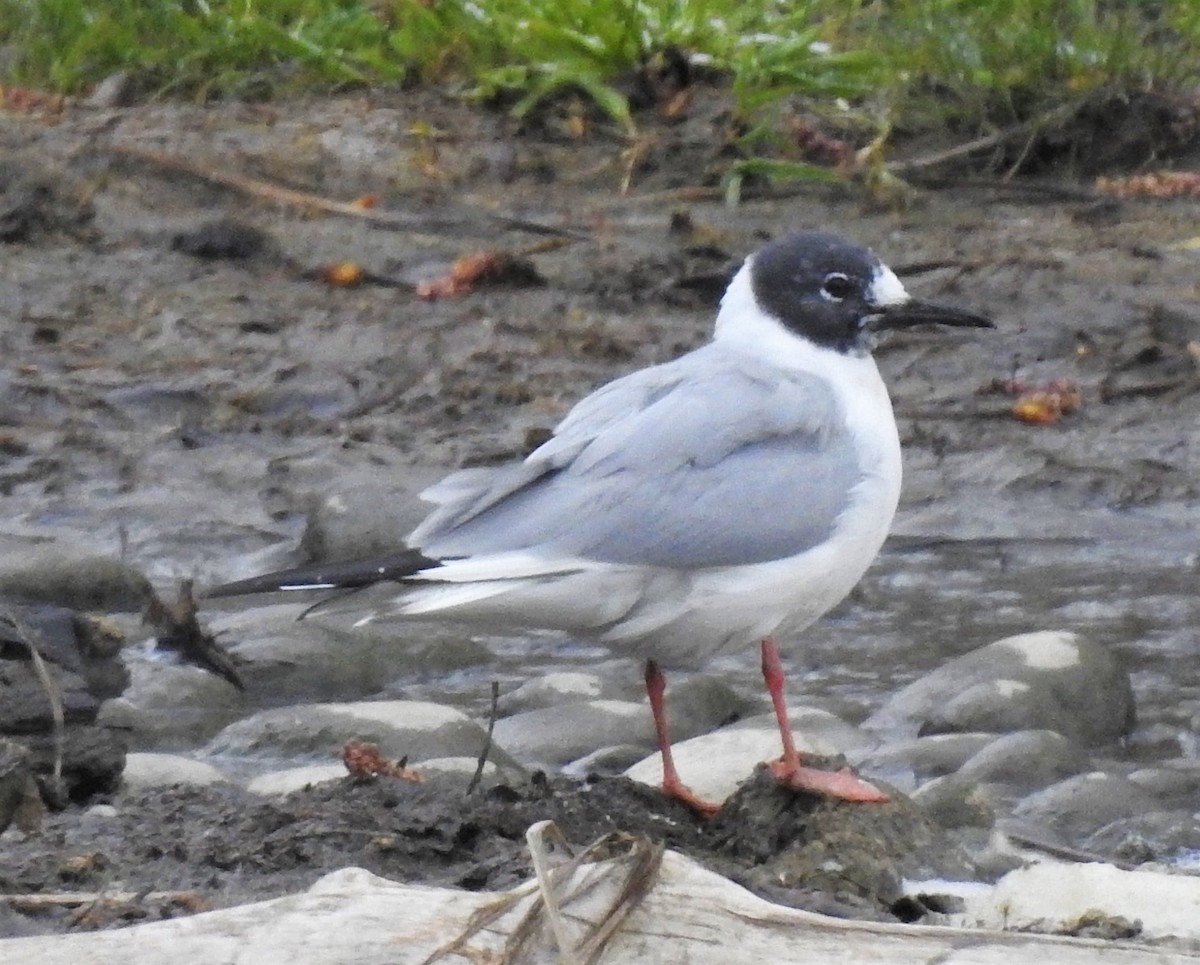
[{"x": 837, "y": 286}]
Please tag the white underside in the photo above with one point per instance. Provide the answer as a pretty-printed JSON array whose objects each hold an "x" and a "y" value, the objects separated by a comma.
[{"x": 681, "y": 617}]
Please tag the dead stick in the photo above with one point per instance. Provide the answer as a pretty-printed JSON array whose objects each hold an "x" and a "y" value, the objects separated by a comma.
[
  {"x": 1024, "y": 129},
  {"x": 487, "y": 743},
  {"x": 306, "y": 199},
  {"x": 36, "y": 902}
]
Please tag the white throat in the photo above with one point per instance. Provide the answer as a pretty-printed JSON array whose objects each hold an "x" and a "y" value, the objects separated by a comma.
[
  {"x": 743, "y": 325},
  {"x": 854, "y": 379}
]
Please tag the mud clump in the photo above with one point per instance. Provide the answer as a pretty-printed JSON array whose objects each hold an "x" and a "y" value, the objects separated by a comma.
[{"x": 227, "y": 846}]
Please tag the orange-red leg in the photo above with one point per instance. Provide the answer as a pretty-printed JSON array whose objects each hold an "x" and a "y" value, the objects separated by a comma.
[
  {"x": 672, "y": 786},
  {"x": 843, "y": 784}
]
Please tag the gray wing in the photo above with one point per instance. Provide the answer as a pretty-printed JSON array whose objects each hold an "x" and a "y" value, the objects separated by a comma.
[{"x": 711, "y": 460}]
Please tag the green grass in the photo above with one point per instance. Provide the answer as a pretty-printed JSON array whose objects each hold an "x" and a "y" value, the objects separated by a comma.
[{"x": 908, "y": 64}]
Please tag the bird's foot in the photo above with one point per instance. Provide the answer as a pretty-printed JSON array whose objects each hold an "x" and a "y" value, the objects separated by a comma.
[
  {"x": 676, "y": 790},
  {"x": 843, "y": 785}
]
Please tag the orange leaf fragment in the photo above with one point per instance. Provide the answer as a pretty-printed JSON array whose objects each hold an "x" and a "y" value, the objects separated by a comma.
[
  {"x": 1037, "y": 409},
  {"x": 480, "y": 268},
  {"x": 343, "y": 274},
  {"x": 363, "y": 760},
  {"x": 1045, "y": 406},
  {"x": 365, "y": 202}
]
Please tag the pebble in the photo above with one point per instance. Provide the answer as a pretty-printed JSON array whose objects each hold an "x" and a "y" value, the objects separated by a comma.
[
  {"x": 169, "y": 704},
  {"x": 549, "y": 689},
  {"x": 402, "y": 728},
  {"x": 73, "y": 580},
  {"x": 295, "y": 779},
  {"x": 1080, "y": 804},
  {"x": 557, "y": 735},
  {"x": 361, "y": 517},
  {"x": 955, "y": 802},
  {"x": 323, "y": 656},
  {"x": 605, "y": 760},
  {"x": 554, "y": 736},
  {"x": 146, "y": 770},
  {"x": 1164, "y": 836},
  {"x": 1046, "y": 680},
  {"x": 1175, "y": 782},
  {"x": 910, "y": 763},
  {"x": 1026, "y": 759}
]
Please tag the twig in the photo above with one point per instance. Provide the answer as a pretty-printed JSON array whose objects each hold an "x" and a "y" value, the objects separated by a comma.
[
  {"x": 40, "y": 902},
  {"x": 306, "y": 199},
  {"x": 487, "y": 742},
  {"x": 1024, "y": 129},
  {"x": 26, "y": 635}
]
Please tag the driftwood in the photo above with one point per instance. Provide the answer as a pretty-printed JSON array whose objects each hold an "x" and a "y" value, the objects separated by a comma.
[{"x": 639, "y": 906}]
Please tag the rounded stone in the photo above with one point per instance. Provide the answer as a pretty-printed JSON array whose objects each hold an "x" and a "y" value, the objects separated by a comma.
[
  {"x": 295, "y": 779},
  {"x": 955, "y": 802},
  {"x": 412, "y": 729},
  {"x": 914, "y": 761},
  {"x": 1046, "y": 680},
  {"x": 323, "y": 656},
  {"x": 1081, "y": 804},
  {"x": 145, "y": 770},
  {"x": 553, "y": 736},
  {"x": 551, "y": 689},
  {"x": 169, "y": 704},
  {"x": 1026, "y": 759}
]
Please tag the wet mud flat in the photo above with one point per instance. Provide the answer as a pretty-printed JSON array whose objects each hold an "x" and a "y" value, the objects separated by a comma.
[{"x": 186, "y": 379}]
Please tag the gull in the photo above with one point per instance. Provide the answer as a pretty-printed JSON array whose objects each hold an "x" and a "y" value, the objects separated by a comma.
[{"x": 692, "y": 509}]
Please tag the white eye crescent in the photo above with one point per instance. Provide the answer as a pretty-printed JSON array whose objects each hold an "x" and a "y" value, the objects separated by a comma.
[{"x": 837, "y": 286}]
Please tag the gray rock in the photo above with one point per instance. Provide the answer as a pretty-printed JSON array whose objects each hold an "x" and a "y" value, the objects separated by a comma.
[
  {"x": 295, "y": 779},
  {"x": 912, "y": 762},
  {"x": 551, "y": 689},
  {"x": 457, "y": 772},
  {"x": 606, "y": 760},
  {"x": 402, "y": 728},
  {"x": 1176, "y": 783},
  {"x": 1026, "y": 759},
  {"x": 143, "y": 770},
  {"x": 19, "y": 798},
  {"x": 554, "y": 736},
  {"x": 322, "y": 656},
  {"x": 1052, "y": 679},
  {"x": 1156, "y": 836},
  {"x": 74, "y": 581},
  {"x": 170, "y": 704},
  {"x": 454, "y": 771},
  {"x": 702, "y": 703},
  {"x": 955, "y": 802},
  {"x": 824, "y": 732},
  {"x": 1079, "y": 805}
]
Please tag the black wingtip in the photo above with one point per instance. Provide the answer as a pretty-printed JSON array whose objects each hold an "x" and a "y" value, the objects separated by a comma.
[{"x": 350, "y": 575}]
